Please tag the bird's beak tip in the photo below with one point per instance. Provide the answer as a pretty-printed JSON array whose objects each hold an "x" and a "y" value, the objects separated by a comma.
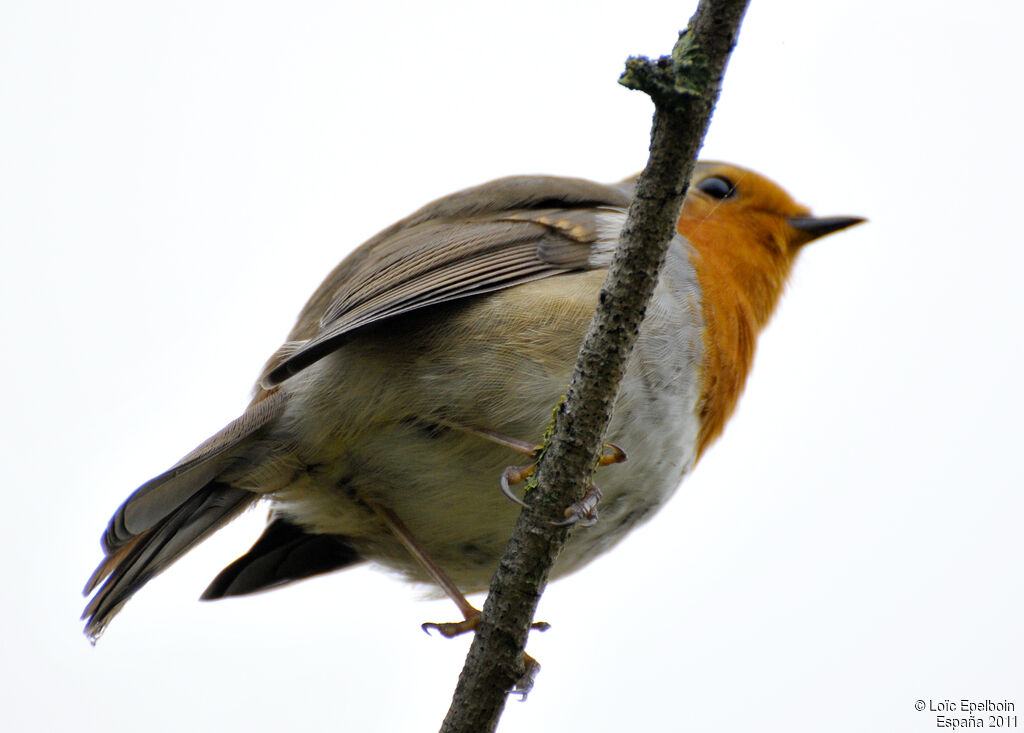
[{"x": 815, "y": 227}]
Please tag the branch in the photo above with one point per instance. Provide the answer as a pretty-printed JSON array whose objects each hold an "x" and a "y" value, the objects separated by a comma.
[{"x": 684, "y": 88}]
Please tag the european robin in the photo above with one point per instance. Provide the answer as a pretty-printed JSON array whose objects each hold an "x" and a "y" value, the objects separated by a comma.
[{"x": 432, "y": 354}]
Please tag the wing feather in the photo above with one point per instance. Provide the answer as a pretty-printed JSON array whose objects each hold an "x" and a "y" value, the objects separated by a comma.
[{"x": 488, "y": 238}]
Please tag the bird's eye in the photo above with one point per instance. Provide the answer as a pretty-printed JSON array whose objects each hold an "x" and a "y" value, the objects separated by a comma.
[{"x": 717, "y": 187}]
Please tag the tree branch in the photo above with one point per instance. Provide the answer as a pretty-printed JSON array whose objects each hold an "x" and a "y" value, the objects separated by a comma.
[{"x": 684, "y": 87}]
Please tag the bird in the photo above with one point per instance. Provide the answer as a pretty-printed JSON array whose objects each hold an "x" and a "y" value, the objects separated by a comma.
[{"x": 430, "y": 358}]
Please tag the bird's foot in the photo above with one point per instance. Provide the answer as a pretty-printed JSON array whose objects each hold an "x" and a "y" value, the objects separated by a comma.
[
  {"x": 583, "y": 512},
  {"x": 531, "y": 667},
  {"x": 451, "y": 629}
]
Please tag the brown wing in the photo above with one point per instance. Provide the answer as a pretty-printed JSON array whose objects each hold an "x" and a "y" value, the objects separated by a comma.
[{"x": 486, "y": 238}]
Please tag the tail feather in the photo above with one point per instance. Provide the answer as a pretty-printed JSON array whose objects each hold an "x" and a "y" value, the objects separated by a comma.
[
  {"x": 284, "y": 553},
  {"x": 170, "y": 514},
  {"x": 157, "y": 498},
  {"x": 146, "y": 555}
]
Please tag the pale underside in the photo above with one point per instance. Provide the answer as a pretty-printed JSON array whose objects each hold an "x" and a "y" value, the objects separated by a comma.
[{"x": 378, "y": 421}]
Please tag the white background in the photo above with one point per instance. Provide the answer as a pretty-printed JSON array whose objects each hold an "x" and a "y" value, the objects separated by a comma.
[{"x": 176, "y": 178}]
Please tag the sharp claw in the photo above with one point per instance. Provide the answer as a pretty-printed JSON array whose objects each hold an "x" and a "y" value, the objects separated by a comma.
[
  {"x": 616, "y": 455},
  {"x": 525, "y": 683},
  {"x": 451, "y": 629},
  {"x": 513, "y": 475},
  {"x": 583, "y": 512}
]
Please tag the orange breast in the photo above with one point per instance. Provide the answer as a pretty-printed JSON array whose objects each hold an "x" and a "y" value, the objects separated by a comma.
[{"x": 742, "y": 271}]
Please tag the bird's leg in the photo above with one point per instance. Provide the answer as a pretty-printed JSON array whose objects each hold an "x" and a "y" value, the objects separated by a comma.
[
  {"x": 520, "y": 446},
  {"x": 399, "y": 530},
  {"x": 584, "y": 511},
  {"x": 611, "y": 454},
  {"x": 470, "y": 614}
]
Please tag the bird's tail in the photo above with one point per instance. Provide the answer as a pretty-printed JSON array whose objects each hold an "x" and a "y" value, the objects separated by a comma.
[
  {"x": 129, "y": 567},
  {"x": 171, "y": 514}
]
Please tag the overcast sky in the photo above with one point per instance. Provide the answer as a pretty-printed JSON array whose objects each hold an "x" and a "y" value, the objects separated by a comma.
[{"x": 176, "y": 178}]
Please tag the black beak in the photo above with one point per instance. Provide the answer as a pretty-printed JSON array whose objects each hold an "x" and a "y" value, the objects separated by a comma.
[{"x": 816, "y": 227}]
